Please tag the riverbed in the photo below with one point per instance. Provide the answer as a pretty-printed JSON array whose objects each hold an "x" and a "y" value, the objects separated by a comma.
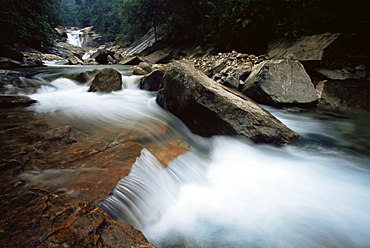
[{"x": 226, "y": 191}]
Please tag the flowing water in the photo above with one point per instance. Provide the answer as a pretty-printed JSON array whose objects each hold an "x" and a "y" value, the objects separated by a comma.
[
  {"x": 75, "y": 37},
  {"x": 227, "y": 191}
]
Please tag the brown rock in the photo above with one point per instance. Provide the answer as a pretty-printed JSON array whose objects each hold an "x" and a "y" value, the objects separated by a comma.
[
  {"x": 74, "y": 60},
  {"x": 139, "y": 71},
  {"x": 107, "y": 80},
  {"x": 208, "y": 109}
]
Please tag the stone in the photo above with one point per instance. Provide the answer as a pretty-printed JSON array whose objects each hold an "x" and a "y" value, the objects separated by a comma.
[
  {"x": 101, "y": 56},
  {"x": 111, "y": 60},
  {"x": 74, "y": 60},
  {"x": 106, "y": 81},
  {"x": 131, "y": 61},
  {"x": 84, "y": 77},
  {"x": 9, "y": 101},
  {"x": 152, "y": 81},
  {"x": 146, "y": 66},
  {"x": 10, "y": 52},
  {"x": 305, "y": 48},
  {"x": 359, "y": 72},
  {"x": 159, "y": 57},
  {"x": 353, "y": 94},
  {"x": 208, "y": 108},
  {"x": 280, "y": 82},
  {"x": 139, "y": 71}
]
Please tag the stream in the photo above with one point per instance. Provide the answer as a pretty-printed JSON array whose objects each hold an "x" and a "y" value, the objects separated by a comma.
[{"x": 227, "y": 191}]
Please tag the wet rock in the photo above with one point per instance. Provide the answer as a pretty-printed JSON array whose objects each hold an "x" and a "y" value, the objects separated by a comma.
[
  {"x": 353, "y": 94},
  {"x": 146, "y": 66},
  {"x": 131, "y": 61},
  {"x": 10, "y": 101},
  {"x": 101, "y": 56},
  {"x": 107, "y": 80},
  {"x": 74, "y": 60},
  {"x": 84, "y": 77},
  {"x": 152, "y": 81},
  {"x": 277, "y": 82},
  {"x": 139, "y": 71},
  {"x": 91, "y": 38},
  {"x": 209, "y": 109}
]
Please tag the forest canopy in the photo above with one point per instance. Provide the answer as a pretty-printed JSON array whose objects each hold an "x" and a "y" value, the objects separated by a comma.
[{"x": 233, "y": 23}]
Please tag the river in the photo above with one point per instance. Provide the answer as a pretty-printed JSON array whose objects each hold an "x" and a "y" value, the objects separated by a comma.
[{"x": 227, "y": 191}]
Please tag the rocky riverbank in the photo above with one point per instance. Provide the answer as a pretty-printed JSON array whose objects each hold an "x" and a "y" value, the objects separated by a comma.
[{"x": 53, "y": 173}]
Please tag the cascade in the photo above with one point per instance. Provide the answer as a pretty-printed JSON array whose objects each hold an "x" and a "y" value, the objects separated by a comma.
[
  {"x": 227, "y": 191},
  {"x": 75, "y": 37}
]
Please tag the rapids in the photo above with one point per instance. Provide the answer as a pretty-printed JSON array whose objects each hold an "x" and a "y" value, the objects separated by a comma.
[
  {"x": 227, "y": 191},
  {"x": 75, "y": 37}
]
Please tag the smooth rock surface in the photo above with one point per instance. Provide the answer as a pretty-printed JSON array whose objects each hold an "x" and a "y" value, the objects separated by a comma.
[
  {"x": 107, "y": 80},
  {"x": 208, "y": 108},
  {"x": 277, "y": 82}
]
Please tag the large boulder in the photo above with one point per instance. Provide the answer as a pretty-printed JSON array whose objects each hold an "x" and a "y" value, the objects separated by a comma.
[
  {"x": 107, "y": 80},
  {"x": 305, "y": 48},
  {"x": 354, "y": 94},
  {"x": 152, "y": 81},
  {"x": 208, "y": 108},
  {"x": 280, "y": 82},
  {"x": 102, "y": 56}
]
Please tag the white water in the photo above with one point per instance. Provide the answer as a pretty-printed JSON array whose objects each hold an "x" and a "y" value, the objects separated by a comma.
[
  {"x": 228, "y": 192},
  {"x": 75, "y": 37},
  {"x": 88, "y": 54}
]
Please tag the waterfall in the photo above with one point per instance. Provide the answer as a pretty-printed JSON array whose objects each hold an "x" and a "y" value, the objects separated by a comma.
[
  {"x": 75, "y": 37},
  {"x": 227, "y": 191}
]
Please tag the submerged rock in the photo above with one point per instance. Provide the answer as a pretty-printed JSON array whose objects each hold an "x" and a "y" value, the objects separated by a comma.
[
  {"x": 9, "y": 101},
  {"x": 208, "y": 108},
  {"x": 106, "y": 81},
  {"x": 280, "y": 82}
]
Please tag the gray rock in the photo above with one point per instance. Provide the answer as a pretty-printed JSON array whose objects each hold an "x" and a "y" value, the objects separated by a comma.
[
  {"x": 305, "y": 48},
  {"x": 107, "y": 80},
  {"x": 354, "y": 94},
  {"x": 208, "y": 108},
  {"x": 152, "y": 81},
  {"x": 277, "y": 82}
]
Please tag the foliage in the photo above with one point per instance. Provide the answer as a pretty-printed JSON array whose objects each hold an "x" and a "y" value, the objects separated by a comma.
[
  {"x": 29, "y": 22},
  {"x": 237, "y": 24}
]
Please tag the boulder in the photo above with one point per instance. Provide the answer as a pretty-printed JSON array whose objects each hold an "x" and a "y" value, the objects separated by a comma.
[
  {"x": 74, "y": 60},
  {"x": 152, "y": 81},
  {"x": 358, "y": 72},
  {"x": 107, "y": 80},
  {"x": 305, "y": 48},
  {"x": 233, "y": 77},
  {"x": 159, "y": 57},
  {"x": 101, "y": 56},
  {"x": 91, "y": 38},
  {"x": 139, "y": 71},
  {"x": 208, "y": 108},
  {"x": 10, "y": 52},
  {"x": 354, "y": 94},
  {"x": 83, "y": 77},
  {"x": 280, "y": 82},
  {"x": 9, "y": 101},
  {"x": 146, "y": 66},
  {"x": 132, "y": 61}
]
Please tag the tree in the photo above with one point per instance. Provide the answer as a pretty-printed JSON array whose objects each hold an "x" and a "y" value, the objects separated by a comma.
[{"x": 28, "y": 22}]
